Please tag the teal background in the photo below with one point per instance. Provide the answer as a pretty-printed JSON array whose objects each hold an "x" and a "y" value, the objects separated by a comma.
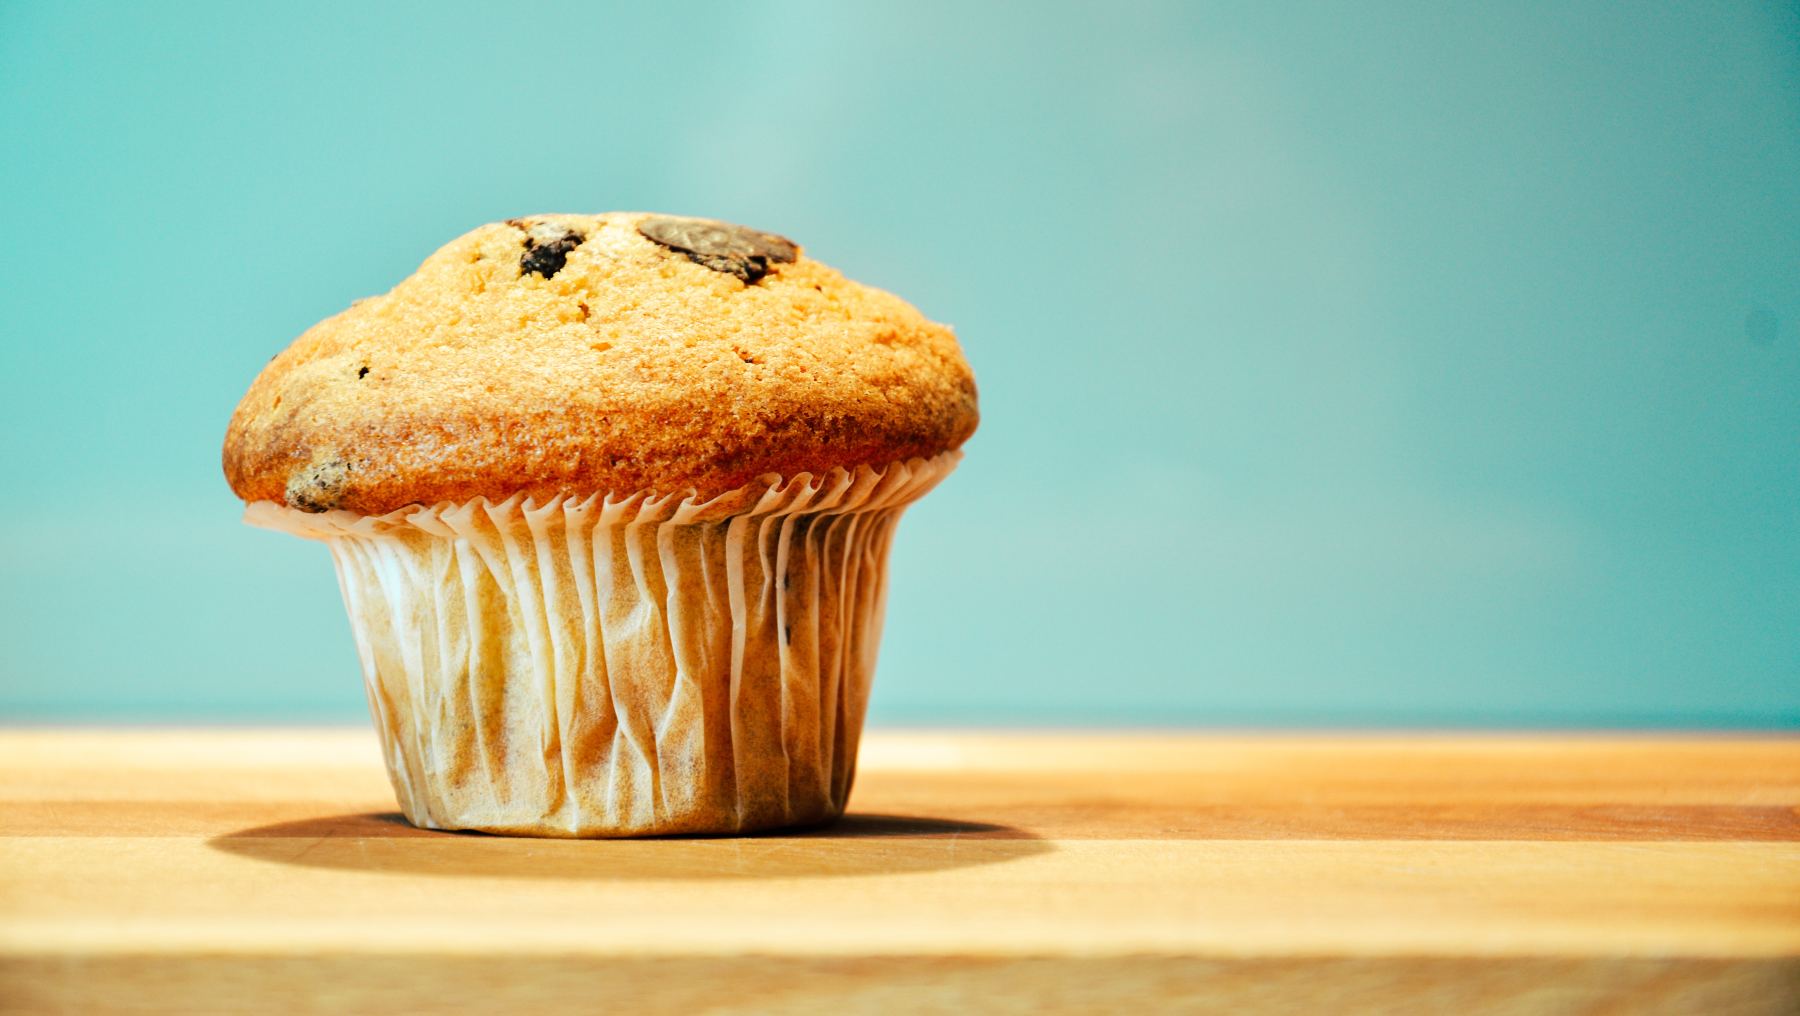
[{"x": 1341, "y": 364}]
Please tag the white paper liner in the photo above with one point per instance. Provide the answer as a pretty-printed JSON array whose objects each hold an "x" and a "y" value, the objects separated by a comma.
[{"x": 629, "y": 666}]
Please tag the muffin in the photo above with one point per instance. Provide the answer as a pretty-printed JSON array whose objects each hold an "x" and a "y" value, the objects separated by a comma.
[{"x": 610, "y": 499}]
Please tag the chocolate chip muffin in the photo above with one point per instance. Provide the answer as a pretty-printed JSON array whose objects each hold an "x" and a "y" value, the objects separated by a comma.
[{"x": 610, "y": 498}]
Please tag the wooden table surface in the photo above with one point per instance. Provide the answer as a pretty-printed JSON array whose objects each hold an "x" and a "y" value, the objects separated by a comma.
[{"x": 267, "y": 870}]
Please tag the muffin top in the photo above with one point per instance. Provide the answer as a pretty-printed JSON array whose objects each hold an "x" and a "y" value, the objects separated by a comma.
[{"x": 584, "y": 354}]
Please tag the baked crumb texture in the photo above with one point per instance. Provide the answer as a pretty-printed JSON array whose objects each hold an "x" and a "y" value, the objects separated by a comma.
[{"x": 561, "y": 355}]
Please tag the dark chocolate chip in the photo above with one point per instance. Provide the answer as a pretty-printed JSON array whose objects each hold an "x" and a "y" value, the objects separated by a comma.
[
  {"x": 318, "y": 487},
  {"x": 362, "y": 372},
  {"x": 547, "y": 256},
  {"x": 721, "y": 246}
]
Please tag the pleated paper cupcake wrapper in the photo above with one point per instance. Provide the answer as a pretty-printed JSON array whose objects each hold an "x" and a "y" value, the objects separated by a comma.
[{"x": 620, "y": 667}]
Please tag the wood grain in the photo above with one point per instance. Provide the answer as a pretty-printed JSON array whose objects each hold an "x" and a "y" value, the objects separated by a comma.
[{"x": 192, "y": 871}]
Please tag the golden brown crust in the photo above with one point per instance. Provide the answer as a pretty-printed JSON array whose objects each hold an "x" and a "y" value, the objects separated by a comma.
[{"x": 629, "y": 366}]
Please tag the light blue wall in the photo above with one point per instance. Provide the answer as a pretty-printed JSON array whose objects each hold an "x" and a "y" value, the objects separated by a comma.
[{"x": 1366, "y": 363}]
